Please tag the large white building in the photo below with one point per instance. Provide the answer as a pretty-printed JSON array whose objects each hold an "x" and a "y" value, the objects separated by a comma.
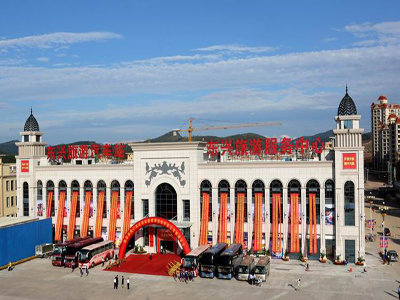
[{"x": 308, "y": 206}]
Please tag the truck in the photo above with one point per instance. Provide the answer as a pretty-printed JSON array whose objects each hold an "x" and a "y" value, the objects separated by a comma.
[{"x": 44, "y": 250}]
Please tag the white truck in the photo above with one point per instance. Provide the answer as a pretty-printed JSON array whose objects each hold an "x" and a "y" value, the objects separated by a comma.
[{"x": 44, "y": 250}]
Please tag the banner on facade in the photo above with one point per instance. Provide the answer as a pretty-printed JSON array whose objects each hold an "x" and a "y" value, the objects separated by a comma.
[
  {"x": 24, "y": 166},
  {"x": 349, "y": 161},
  {"x": 329, "y": 214}
]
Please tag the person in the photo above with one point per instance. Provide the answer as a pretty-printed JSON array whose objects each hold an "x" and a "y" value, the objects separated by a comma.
[
  {"x": 398, "y": 291},
  {"x": 65, "y": 261},
  {"x": 298, "y": 285},
  {"x": 87, "y": 270},
  {"x": 102, "y": 261},
  {"x": 161, "y": 249},
  {"x": 80, "y": 270},
  {"x": 122, "y": 282},
  {"x": 72, "y": 266},
  {"x": 151, "y": 256},
  {"x": 9, "y": 266},
  {"x": 251, "y": 279},
  {"x": 307, "y": 267},
  {"x": 365, "y": 269},
  {"x": 127, "y": 283},
  {"x": 115, "y": 282}
]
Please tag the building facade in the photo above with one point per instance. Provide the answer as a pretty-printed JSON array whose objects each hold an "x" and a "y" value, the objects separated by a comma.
[
  {"x": 8, "y": 189},
  {"x": 306, "y": 206},
  {"x": 381, "y": 135}
]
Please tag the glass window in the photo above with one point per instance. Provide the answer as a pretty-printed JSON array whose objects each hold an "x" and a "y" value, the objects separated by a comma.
[
  {"x": 349, "y": 213},
  {"x": 26, "y": 138},
  {"x": 38, "y": 138},
  {"x": 348, "y": 124},
  {"x": 12, "y": 200},
  {"x": 145, "y": 203},
  {"x": 8, "y": 201},
  {"x": 329, "y": 203},
  {"x": 12, "y": 185},
  {"x": 166, "y": 202},
  {"x": 25, "y": 193},
  {"x": 186, "y": 210}
]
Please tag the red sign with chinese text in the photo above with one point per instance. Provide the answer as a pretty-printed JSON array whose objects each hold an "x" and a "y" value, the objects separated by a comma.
[
  {"x": 165, "y": 234},
  {"x": 349, "y": 161},
  {"x": 271, "y": 147},
  {"x": 25, "y": 166}
]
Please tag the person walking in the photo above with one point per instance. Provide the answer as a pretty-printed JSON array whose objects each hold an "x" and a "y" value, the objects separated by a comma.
[
  {"x": 127, "y": 283},
  {"x": 87, "y": 270},
  {"x": 115, "y": 282},
  {"x": 9, "y": 266},
  {"x": 80, "y": 270},
  {"x": 161, "y": 249},
  {"x": 298, "y": 285},
  {"x": 102, "y": 262},
  {"x": 122, "y": 282}
]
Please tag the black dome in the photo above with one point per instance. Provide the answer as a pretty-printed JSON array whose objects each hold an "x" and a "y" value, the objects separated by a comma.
[
  {"x": 347, "y": 106},
  {"x": 31, "y": 124}
]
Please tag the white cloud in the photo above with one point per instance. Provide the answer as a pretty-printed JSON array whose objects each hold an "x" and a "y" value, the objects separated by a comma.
[
  {"x": 43, "y": 59},
  {"x": 11, "y": 61},
  {"x": 328, "y": 40},
  {"x": 236, "y": 49},
  {"x": 385, "y": 33},
  {"x": 55, "y": 39}
]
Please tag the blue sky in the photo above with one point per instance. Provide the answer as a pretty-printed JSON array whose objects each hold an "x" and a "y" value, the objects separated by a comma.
[{"x": 132, "y": 70}]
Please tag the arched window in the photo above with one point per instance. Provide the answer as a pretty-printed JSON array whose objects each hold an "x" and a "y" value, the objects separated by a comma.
[
  {"x": 26, "y": 199},
  {"x": 241, "y": 188},
  {"x": 206, "y": 187},
  {"x": 88, "y": 188},
  {"x": 115, "y": 189},
  {"x": 166, "y": 202},
  {"x": 39, "y": 198},
  {"x": 276, "y": 187},
  {"x": 329, "y": 202},
  {"x": 50, "y": 188},
  {"x": 349, "y": 213},
  {"x": 313, "y": 188},
  {"x": 129, "y": 187},
  {"x": 259, "y": 187},
  {"x": 75, "y": 188},
  {"x": 294, "y": 187},
  {"x": 102, "y": 187}
]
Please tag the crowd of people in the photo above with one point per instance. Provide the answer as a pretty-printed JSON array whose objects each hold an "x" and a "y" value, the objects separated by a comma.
[
  {"x": 185, "y": 275},
  {"x": 116, "y": 282}
]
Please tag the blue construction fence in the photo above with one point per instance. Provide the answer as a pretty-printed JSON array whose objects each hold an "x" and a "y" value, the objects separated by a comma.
[{"x": 18, "y": 241}]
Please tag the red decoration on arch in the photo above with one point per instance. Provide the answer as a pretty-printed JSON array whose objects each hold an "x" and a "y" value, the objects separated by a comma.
[{"x": 153, "y": 221}]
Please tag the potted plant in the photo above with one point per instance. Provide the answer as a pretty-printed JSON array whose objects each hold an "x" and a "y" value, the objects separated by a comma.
[
  {"x": 322, "y": 257},
  {"x": 286, "y": 256},
  {"x": 337, "y": 260},
  {"x": 136, "y": 249},
  {"x": 269, "y": 253},
  {"x": 360, "y": 261},
  {"x": 302, "y": 257}
]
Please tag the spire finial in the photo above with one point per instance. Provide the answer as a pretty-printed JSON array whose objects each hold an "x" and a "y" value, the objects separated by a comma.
[
  {"x": 346, "y": 89},
  {"x": 31, "y": 109}
]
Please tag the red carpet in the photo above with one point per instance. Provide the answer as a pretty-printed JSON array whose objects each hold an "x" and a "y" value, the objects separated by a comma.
[{"x": 141, "y": 264}]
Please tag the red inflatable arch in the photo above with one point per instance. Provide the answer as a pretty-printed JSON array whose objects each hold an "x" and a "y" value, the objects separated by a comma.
[{"x": 153, "y": 221}]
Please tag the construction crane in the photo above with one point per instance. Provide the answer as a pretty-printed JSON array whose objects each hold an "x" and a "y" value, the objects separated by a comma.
[{"x": 241, "y": 125}]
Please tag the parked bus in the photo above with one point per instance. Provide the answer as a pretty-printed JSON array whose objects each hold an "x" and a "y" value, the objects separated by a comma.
[
  {"x": 209, "y": 260},
  {"x": 58, "y": 255},
  {"x": 262, "y": 269},
  {"x": 71, "y": 251},
  {"x": 94, "y": 254},
  {"x": 191, "y": 261},
  {"x": 246, "y": 268},
  {"x": 229, "y": 261}
]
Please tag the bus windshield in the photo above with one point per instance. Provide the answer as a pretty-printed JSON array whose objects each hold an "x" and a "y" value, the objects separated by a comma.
[
  {"x": 259, "y": 270},
  {"x": 189, "y": 262},
  {"x": 84, "y": 255},
  {"x": 207, "y": 259},
  {"x": 225, "y": 260},
  {"x": 243, "y": 269},
  {"x": 57, "y": 250}
]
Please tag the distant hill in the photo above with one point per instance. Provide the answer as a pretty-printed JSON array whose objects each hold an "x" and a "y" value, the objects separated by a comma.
[{"x": 9, "y": 148}]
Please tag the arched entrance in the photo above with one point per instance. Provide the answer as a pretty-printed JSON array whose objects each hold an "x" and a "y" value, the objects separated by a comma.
[{"x": 153, "y": 221}]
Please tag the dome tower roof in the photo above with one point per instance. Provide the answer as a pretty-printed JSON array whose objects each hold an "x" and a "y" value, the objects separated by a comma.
[
  {"x": 31, "y": 124},
  {"x": 347, "y": 106}
]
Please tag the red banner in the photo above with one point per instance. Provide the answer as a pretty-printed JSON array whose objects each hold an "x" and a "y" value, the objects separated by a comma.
[
  {"x": 165, "y": 234},
  {"x": 25, "y": 166},
  {"x": 151, "y": 236},
  {"x": 383, "y": 242},
  {"x": 204, "y": 219},
  {"x": 349, "y": 161}
]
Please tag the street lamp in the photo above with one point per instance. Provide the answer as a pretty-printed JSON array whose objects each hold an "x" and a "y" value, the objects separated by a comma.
[
  {"x": 371, "y": 201},
  {"x": 383, "y": 212}
]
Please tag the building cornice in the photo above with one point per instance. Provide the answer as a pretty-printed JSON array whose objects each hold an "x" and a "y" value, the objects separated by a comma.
[
  {"x": 136, "y": 147},
  {"x": 267, "y": 164}
]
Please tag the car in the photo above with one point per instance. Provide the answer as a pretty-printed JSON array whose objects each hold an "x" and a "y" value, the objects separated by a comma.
[
  {"x": 392, "y": 255},
  {"x": 387, "y": 232}
]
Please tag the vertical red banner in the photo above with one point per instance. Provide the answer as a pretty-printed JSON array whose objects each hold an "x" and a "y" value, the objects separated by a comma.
[
  {"x": 24, "y": 166},
  {"x": 239, "y": 219},
  {"x": 151, "y": 236}
]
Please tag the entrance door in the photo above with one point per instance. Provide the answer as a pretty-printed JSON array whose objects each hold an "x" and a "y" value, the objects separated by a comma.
[
  {"x": 167, "y": 246},
  {"x": 349, "y": 250}
]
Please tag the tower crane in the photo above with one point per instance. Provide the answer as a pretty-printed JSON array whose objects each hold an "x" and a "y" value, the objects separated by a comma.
[{"x": 240, "y": 125}]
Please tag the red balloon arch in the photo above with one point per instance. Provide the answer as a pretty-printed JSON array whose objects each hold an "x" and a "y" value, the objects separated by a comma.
[{"x": 153, "y": 221}]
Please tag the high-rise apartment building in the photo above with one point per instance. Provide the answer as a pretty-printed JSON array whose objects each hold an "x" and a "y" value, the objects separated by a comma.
[{"x": 381, "y": 133}]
